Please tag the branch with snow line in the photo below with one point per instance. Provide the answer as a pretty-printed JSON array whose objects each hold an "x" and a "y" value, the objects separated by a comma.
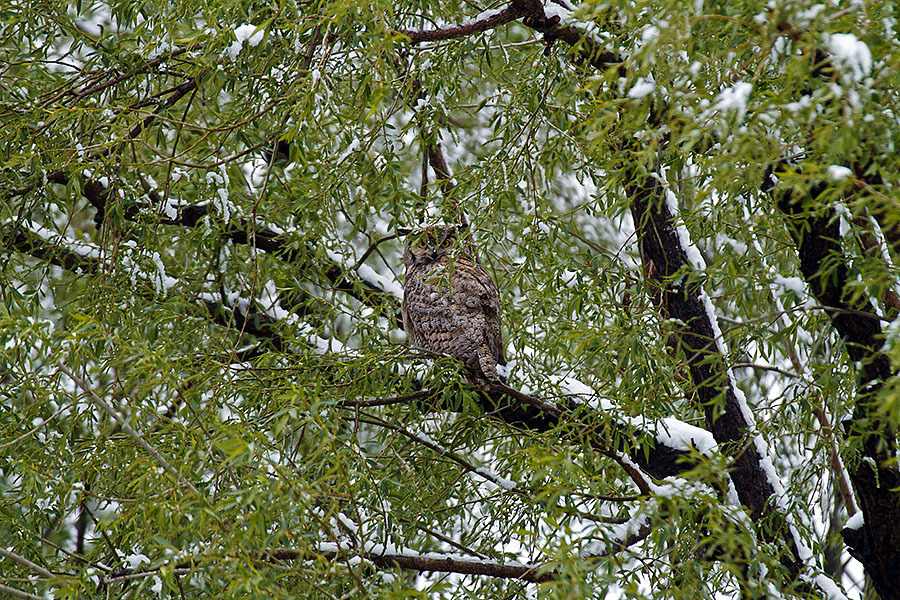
[
  {"x": 671, "y": 260},
  {"x": 872, "y": 537},
  {"x": 534, "y": 15},
  {"x": 82, "y": 257},
  {"x": 378, "y": 555},
  {"x": 47, "y": 246},
  {"x": 358, "y": 280},
  {"x": 876, "y": 479},
  {"x": 482, "y": 23}
]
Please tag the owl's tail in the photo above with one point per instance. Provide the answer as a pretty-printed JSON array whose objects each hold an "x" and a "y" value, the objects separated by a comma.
[{"x": 487, "y": 362}]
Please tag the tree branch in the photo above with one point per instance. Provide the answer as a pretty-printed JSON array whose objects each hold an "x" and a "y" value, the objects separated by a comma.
[
  {"x": 9, "y": 554},
  {"x": 507, "y": 15},
  {"x": 665, "y": 261},
  {"x": 876, "y": 481},
  {"x": 14, "y": 593}
]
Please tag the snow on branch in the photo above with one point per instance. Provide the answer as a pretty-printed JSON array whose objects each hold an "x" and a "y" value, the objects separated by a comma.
[
  {"x": 875, "y": 478},
  {"x": 384, "y": 556},
  {"x": 669, "y": 258}
]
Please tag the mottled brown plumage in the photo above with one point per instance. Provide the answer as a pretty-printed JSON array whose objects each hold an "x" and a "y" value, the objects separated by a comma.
[{"x": 450, "y": 303}]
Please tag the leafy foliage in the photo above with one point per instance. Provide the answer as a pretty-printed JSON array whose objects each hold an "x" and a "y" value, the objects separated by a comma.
[{"x": 206, "y": 389}]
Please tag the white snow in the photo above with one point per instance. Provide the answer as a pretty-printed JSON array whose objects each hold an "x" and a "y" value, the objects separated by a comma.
[
  {"x": 388, "y": 284},
  {"x": 506, "y": 484},
  {"x": 850, "y": 53},
  {"x": 683, "y": 436},
  {"x": 650, "y": 33},
  {"x": 244, "y": 33},
  {"x": 354, "y": 145},
  {"x": 136, "y": 560},
  {"x": 792, "y": 284},
  {"x": 693, "y": 254},
  {"x": 735, "y": 98},
  {"x": 80, "y": 248},
  {"x": 827, "y": 585},
  {"x": 642, "y": 88},
  {"x": 838, "y": 173},
  {"x": 856, "y": 521}
]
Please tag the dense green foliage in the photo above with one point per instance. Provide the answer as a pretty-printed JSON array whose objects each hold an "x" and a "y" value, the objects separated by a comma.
[{"x": 239, "y": 314}]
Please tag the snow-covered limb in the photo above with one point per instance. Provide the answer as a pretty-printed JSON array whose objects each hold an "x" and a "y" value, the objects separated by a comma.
[
  {"x": 378, "y": 555},
  {"x": 41, "y": 243},
  {"x": 669, "y": 432},
  {"x": 876, "y": 477},
  {"x": 668, "y": 255}
]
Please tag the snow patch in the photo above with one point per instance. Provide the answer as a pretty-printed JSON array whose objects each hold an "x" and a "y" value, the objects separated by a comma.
[
  {"x": 642, "y": 88},
  {"x": 735, "y": 99},
  {"x": 855, "y": 522},
  {"x": 677, "y": 434},
  {"x": 838, "y": 173},
  {"x": 244, "y": 33},
  {"x": 851, "y": 53}
]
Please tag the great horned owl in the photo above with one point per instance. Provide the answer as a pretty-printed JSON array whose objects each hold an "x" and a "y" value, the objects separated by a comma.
[{"x": 450, "y": 303}]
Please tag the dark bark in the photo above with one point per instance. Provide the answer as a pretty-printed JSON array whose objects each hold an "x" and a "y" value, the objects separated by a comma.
[
  {"x": 666, "y": 261},
  {"x": 29, "y": 243},
  {"x": 875, "y": 478},
  {"x": 507, "y": 15}
]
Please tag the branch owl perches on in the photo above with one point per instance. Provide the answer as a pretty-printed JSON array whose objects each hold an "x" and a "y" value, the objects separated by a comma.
[{"x": 450, "y": 304}]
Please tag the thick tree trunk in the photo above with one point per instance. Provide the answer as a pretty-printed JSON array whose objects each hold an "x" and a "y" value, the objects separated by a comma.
[
  {"x": 875, "y": 476},
  {"x": 666, "y": 261}
]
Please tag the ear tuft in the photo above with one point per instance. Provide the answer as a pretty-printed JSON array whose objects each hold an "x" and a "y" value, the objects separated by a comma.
[{"x": 404, "y": 230}]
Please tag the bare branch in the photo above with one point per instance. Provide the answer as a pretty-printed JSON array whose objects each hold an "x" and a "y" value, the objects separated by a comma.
[
  {"x": 14, "y": 593},
  {"x": 507, "y": 15}
]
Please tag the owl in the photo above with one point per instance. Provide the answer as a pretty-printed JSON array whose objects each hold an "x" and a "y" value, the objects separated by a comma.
[{"x": 450, "y": 303}]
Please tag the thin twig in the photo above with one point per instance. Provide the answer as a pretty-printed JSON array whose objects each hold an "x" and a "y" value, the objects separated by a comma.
[
  {"x": 13, "y": 592},
  {"x": 25, "y": 563},
  {"x": 101, "y": 403}
]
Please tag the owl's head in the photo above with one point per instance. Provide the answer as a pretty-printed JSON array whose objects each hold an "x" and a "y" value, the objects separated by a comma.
[{"x": 432, "y": 244}]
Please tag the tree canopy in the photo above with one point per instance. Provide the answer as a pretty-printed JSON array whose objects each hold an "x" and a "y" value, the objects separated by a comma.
[{"x": 691, "y": 214}]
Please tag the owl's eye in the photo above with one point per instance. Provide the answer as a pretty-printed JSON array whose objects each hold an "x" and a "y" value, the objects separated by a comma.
[
  {"x": 422, "y": 243},
  {"x": 447, "y": 243}
]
